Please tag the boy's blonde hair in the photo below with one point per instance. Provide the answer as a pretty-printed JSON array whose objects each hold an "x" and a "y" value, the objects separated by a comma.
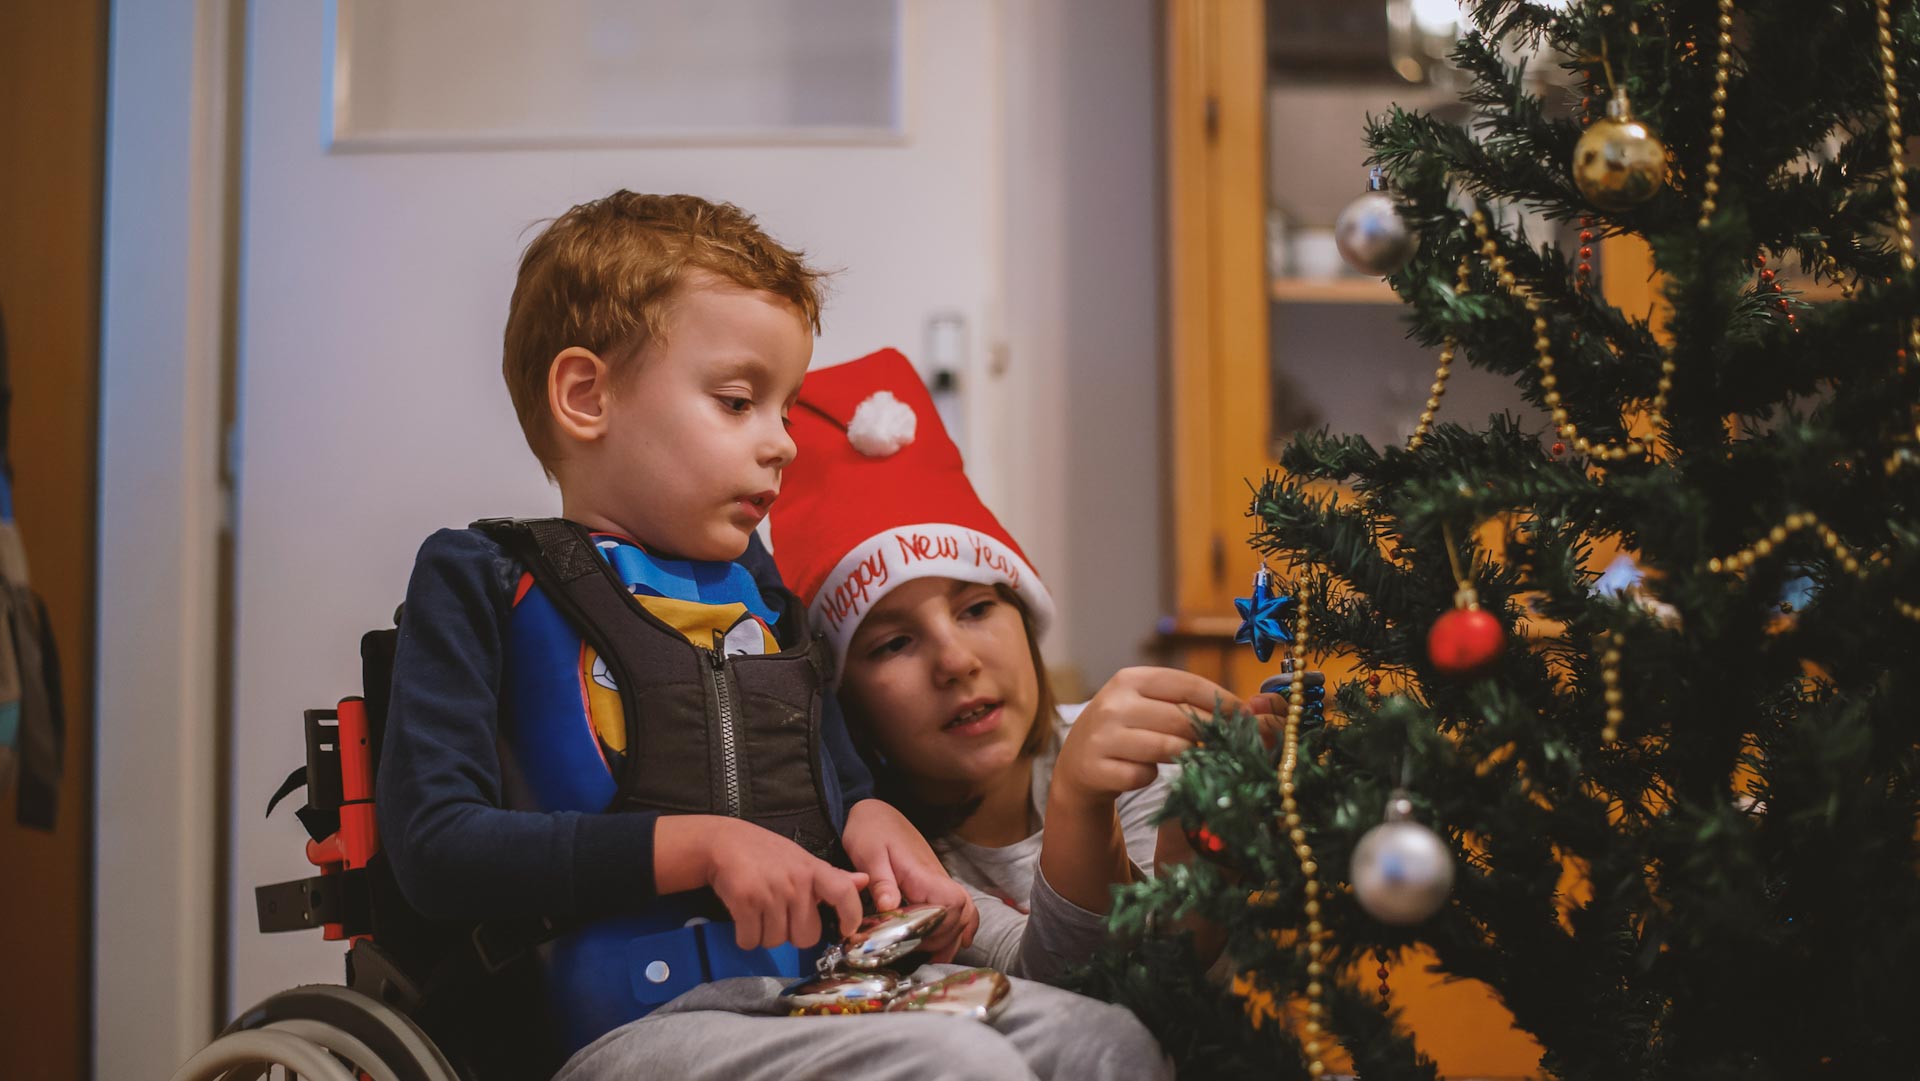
[{"x": 603, "y": 276}]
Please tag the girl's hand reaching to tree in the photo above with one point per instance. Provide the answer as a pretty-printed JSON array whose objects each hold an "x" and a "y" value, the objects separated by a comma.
[{"x": 1141, "y": 719}]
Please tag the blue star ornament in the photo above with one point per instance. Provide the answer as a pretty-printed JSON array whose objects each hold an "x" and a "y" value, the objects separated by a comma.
[{"x": 1264, "y": 616}]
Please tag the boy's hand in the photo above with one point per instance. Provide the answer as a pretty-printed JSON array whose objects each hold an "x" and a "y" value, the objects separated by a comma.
[
  {"x": 772, "y": 887},
  {"x": 901, "y": 866}
]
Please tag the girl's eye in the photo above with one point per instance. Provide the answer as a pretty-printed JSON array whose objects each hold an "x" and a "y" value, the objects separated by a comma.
[
  {"x": 978, "y": 609},
  {"x": 889, "y": 647}
]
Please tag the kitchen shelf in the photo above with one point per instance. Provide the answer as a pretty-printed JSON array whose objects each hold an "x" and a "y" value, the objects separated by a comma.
[{"x": 1334, "y": 291}]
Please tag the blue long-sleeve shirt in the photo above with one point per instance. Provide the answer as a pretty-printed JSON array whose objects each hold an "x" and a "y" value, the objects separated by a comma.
[{"x": 456, "y": 850}]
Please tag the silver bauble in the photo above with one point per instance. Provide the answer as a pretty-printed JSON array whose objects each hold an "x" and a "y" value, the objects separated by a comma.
[
  {"x": 1402, "y": 871},
  {"x": 1372, "y": 236}
]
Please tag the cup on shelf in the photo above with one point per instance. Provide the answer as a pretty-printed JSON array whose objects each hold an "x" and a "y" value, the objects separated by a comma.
[
  {"x": 1279, "y": 255},
  {"x": 1314, "y": 254}
]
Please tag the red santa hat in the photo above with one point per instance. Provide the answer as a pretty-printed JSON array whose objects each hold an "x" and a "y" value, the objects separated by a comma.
[{"x": 877, "y": 496}]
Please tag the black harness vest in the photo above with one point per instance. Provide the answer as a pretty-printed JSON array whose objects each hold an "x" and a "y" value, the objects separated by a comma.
[{"x": 706, "y": 733}]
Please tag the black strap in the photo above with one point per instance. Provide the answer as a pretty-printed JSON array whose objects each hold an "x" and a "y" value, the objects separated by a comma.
[
  {"x": 585, "y": 588},
  {"x": 295, "y": 782}
]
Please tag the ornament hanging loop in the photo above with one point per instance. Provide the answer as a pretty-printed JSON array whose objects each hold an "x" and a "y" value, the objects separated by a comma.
[{"x": 1452, "y": 557}]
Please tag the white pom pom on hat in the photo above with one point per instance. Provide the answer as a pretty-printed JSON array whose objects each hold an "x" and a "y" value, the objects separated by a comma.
[{"x": 881, "y": 425}]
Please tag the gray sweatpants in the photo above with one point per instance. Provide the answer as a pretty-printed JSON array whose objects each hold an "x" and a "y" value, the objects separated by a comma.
[{"x": 732, "y": 1030}]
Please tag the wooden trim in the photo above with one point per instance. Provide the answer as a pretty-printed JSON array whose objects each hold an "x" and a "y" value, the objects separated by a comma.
[
  {"x": 1243, "y": 357},
  {"x": 1335, "y": 291},
  {"x": 1627, "y": 280},
  {"x": 1190, "y": 266},
  {"x": 1218, "y": 295},
  {"x": 53, "y": 64}
]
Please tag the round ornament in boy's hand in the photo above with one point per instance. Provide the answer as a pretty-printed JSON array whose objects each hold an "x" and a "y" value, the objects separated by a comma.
[
  {"x": 841, "y": 992},
  {"x": 979, "y": 993},
  {"x": 885, "y": 937},
  {"x": 1402, "y": 871}
]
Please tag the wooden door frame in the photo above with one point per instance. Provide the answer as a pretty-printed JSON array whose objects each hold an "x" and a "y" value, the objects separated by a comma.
[
  {"x": 1217, "y": 302},
  {"x": 53, "y": 66}
]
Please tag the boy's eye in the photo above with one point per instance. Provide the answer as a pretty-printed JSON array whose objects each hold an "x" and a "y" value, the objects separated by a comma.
[{"x": 737, "y": 405}]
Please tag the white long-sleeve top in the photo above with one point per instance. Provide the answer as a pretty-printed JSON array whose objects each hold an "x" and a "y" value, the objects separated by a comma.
[{"x": 1026, "y": 928}]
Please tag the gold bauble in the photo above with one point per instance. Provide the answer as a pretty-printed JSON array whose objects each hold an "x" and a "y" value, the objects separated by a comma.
[{"x": 1618, "y": 164}]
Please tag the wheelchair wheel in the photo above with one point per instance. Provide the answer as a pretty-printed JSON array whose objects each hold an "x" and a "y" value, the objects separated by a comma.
[
  {"x": 260, "y": 1051},
  {"x": 373, "y": 1037}
]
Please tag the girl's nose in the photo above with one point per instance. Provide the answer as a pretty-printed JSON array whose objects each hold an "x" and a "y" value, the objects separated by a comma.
[{"x": 955, "y": 660}]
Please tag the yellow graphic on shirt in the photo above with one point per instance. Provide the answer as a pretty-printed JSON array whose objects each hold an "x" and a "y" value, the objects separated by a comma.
[{"x": 728, "y": 629}]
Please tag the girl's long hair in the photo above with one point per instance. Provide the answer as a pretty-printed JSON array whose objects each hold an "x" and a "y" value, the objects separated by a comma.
[{"x": 896, "y": 787}]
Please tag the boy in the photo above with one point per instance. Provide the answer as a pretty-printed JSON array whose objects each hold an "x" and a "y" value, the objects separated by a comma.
[{"x": 653, "y": 347}]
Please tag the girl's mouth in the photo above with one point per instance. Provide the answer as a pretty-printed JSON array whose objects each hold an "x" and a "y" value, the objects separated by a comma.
[{"x": 981, "y": 719}]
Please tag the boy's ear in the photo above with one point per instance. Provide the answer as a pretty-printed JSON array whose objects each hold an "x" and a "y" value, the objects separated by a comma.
[{"x": 579, "y": 385}]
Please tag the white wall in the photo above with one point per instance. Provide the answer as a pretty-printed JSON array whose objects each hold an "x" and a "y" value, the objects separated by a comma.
[{"x": 1084, "y": 278}]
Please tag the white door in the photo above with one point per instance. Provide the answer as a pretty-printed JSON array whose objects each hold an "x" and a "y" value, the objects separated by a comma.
[{"x": 374, "y": 284}]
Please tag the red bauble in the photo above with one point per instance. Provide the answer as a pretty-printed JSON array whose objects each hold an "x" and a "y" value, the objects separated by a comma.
[
  {"x": 1465, "y": 642},
  {"x": 1208, "y": 844}
]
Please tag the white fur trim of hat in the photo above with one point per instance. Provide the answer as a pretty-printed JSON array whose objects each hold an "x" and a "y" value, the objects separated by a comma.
[{"x": 884, "y": 561}]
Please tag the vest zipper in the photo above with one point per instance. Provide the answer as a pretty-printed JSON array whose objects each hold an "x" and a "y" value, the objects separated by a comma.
[{"x": 729, "y": 751}]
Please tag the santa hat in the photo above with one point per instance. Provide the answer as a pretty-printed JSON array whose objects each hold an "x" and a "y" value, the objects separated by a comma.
[{"x": 877, "y": 496}]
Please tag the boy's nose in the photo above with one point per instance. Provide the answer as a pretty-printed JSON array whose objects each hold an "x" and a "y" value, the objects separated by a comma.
[{"x": 781, "y": 448}]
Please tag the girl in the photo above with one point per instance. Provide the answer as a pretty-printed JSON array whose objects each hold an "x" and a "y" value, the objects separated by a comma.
[{"x": 934, "y": 616}]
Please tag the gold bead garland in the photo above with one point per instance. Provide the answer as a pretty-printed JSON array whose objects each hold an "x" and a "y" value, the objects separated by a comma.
[
  {"x": 1543, "y": 345},
  {"x": 1445, "y": 368},
  {"x": 1897, "y": 164},
  {"x": 1721, "y": 65},
  {"x": 1610, "y": 678},
  {"x": 1794, "y": 523},
  {"x": 1830, "y": 266},
  {"x": 1309, "y": 870}
]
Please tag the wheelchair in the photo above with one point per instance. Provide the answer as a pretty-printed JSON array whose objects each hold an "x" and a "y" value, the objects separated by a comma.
[{"x": 422, "y": 1000}]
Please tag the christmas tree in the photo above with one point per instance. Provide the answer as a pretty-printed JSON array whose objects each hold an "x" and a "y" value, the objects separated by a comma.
[{"x": 1677, "y": 804}]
